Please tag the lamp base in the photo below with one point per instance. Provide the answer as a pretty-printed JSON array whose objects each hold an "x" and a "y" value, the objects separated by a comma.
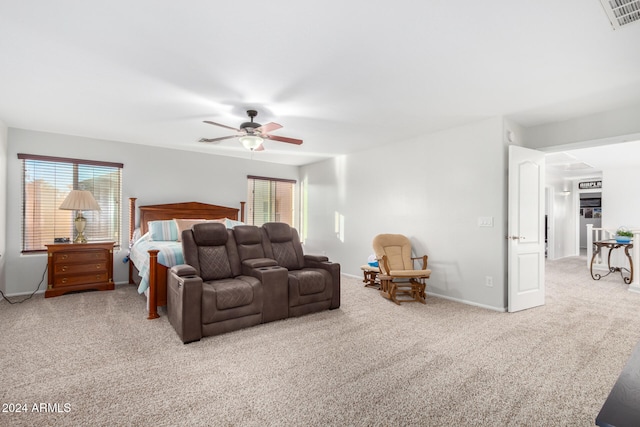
[{"x": 80, "y": 222}]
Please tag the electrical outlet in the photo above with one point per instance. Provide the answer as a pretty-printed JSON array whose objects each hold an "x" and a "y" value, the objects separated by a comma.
[{"x": 488, "y": 281}]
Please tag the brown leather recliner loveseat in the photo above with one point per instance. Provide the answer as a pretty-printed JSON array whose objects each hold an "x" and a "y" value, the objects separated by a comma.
[{"x": 232, "y": 279}]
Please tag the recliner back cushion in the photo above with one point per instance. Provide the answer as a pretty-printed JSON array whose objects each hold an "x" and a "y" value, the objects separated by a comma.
[
  {"x": 287, "y": 249},
  {"x": 249, "y": 242},
  {"x": 210, "y": 234},
  {"x": 285, "y": 255},
  {"x": 211, "y": 240},
  {"x": 278, "y": 232},
  {"x": 214, "y": 262}
]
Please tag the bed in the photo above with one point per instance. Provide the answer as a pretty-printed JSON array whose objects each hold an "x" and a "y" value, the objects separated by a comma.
[{"x": 150, "y": 259}]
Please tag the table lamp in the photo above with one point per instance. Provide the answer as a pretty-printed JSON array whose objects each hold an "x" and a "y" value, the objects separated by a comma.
[{"x": 80, "y": 200}]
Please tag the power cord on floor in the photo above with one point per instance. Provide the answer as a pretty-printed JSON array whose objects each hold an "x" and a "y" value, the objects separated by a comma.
[{"x": 32, "y": 293}]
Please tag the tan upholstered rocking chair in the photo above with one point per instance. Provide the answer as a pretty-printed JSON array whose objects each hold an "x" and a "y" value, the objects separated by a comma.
[{"x": 398, "y": 275}]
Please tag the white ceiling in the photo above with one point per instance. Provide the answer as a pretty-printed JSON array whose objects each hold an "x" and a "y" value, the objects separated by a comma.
[
  {"x": 342, "y": 75},
  {"x": 588, "y": 162}
]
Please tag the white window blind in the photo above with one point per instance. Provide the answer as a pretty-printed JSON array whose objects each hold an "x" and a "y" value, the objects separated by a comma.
[
  {"x": 46, "y": 182},
  {"x": 270, "y": 200}
]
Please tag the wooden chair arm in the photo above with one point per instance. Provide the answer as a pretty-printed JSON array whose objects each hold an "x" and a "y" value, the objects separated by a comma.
[
  {"x": 383, "y": 264},
  {"x": 424, "y": 261}
]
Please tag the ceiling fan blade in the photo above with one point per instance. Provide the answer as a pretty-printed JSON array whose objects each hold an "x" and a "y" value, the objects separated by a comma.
[
  {"x": 260, "y": 148},
  {"x": 285, "y": 139},
  {"x": 217, "y": 139},
  {"x": 224, "y": 126},
  {"x": 269, "y": 127}
]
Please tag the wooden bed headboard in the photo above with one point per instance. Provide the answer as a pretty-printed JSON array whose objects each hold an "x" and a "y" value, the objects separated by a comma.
[{"x": 190, "y": 210}]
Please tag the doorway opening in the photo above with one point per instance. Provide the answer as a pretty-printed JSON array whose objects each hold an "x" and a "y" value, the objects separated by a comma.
[{"x": 590, "y": 213}]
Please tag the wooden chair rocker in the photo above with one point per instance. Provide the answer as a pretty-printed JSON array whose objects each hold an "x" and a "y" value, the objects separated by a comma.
[{"x": 397, "y": 273}]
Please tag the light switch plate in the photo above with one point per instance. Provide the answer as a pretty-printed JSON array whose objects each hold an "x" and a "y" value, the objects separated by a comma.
[{"x": 485, "y": 221}]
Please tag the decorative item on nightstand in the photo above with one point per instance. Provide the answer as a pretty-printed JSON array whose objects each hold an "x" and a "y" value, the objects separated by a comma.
[
  {"x": 623, "y": 235},
  {"x": 80, "y": 200}
]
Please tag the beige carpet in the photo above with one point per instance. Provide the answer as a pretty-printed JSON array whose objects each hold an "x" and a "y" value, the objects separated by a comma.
[{"x": 370, "y": 363}]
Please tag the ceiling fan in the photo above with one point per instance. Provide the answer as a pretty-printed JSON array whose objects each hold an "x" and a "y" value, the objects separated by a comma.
[{"x": 252, "y": 134}]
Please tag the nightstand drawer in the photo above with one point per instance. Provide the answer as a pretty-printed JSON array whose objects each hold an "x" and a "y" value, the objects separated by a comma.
[
  {"x": 71, "y": 256},
  {"x": 75, "y": 267},
  {"x": 98, "y": 267},
  {"x": 77, "y": 279}
]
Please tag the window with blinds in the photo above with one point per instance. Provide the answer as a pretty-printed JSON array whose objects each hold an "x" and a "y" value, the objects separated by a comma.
[
  {"x": 270, "y": 200},
  {"x": 46, "y": 182}
]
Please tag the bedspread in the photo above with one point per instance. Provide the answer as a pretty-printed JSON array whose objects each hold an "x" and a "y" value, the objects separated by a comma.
[{"x": 170, "y": 254}]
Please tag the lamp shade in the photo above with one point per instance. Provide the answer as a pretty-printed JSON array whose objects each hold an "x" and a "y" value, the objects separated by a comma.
[
  {"x": 251, "y": 142},
  {"x": 80, "y": 200}
]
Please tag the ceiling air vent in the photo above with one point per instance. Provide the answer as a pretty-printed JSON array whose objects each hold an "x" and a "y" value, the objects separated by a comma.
[{"x": 621, "y": 12}]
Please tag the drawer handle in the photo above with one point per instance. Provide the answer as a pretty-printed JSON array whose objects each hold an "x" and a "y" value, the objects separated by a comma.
[
  {"x": 64, "y": 280},
  {"x": 98, "y": 266},
  {"x": 64, "y": 268},
  {"x": 97, "y": 276},
  {"x": 65, "y": 256}
]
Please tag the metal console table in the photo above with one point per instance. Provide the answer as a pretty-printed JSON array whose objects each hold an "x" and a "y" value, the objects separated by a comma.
[{"x": 611, "y": 245}]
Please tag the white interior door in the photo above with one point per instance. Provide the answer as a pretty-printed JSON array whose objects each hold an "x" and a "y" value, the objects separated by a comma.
[{"x": 526, "y": 228}]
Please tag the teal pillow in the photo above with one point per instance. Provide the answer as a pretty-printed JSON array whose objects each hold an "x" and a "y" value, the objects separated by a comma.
[
  {"x": 232, "y": 223},
  {"x": 163, "y": 231}
]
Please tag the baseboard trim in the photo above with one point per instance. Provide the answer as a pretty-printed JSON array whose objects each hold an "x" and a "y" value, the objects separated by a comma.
[
  {"x": 22, "y": 294},
  {"x": 634, "y": 288},
  {"x": 41, "y": 291},
  {"x": 467, "y": 302},
  {"x": 462, "y": 301}
]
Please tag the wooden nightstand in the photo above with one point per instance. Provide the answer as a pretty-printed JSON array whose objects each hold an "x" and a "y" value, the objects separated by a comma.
[{"x": 79, "y": 266}]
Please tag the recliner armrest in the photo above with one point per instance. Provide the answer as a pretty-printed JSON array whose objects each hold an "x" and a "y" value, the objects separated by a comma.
[
  {"x": 184, "y": 302},
  {"x": 183, "y": 270},
  {"x": 317, "y": 258},
  {"x": 319, "y": 261},
  {"x": 259, "y": 262}
]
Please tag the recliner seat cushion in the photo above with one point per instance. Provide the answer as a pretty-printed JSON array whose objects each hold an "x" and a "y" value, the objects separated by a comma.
[
  {"x": 231, "y": 298},
  {"x": 232, "y": 293},
  {"x": 309, "y": 285},
  {"x": 309, "y": 281}
]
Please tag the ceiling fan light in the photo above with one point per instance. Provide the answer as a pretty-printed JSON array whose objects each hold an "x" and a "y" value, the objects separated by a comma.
[{"x": 250, "y": 142}]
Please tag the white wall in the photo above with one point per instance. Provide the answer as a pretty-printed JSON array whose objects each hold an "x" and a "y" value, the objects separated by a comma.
[
  {"x": 432, "y": 189},
  {"x": 3, "y": 201},
  {"x": 153, "y": 175},
  {"x": 620, "y": 198},
  {"x": 562, "y": 217},
  {"x": 605, "y": 127}
]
